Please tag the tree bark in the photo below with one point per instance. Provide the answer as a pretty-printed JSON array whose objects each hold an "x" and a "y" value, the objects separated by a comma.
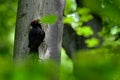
[
  {"x": 27, "y": 11},
  {"x": 54, "y": 32},
  {"x": 34, "y": 9}
]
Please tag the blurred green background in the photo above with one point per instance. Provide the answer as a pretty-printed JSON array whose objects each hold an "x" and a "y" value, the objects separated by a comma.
[
  {"x": 8, "y": 10},
  {"x": 102, "y": 63}
]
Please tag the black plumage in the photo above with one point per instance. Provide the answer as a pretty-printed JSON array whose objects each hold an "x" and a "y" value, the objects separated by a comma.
[{"x": 36, "y": 36}]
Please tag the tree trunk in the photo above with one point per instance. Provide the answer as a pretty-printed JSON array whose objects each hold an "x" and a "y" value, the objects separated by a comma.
[
  {"x": 54, "y": 32},
  {"x": 34, "y": 9},
  {"x": 27, "y": 11},
  {"x": 75, "y": 42}
]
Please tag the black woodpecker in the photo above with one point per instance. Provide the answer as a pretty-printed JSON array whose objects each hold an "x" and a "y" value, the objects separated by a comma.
[{"x": 36, "y": 36}]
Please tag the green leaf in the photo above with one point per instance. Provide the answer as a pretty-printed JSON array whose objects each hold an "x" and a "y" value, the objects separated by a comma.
[
  {"x": 49, "y": 19},
  {"x": 70, "y": 7},
  {"x": 83, "y": 11},
  {"x": 86, "y": 18},
  {"x": 86, "y": 31},
  {"x": 68, "y": 20},
  {"x": 92, "y": 42}
]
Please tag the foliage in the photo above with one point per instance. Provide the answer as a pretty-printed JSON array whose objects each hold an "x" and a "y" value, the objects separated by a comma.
[
  {"x": 77, "y": 18},
  {"x": 49, "y": 19},
  {"x": 8, "y": 11},
  {"x": 89, "y": 65},
  {"x": 96, "y": 64},
  {"x": 92, "y": 42},
  {"x": 70, "y": 6},
  {"x": 85, "y": 31},
  {"x": 108, "y": 11},
  {"x": 101, "y": 63}
]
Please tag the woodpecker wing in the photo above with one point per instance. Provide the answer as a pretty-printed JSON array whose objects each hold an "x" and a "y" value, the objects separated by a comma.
[{"x": 36, "y": 37}]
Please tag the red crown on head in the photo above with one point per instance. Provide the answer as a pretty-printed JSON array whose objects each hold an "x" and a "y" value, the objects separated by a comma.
[{"x": 35, "y": 21}]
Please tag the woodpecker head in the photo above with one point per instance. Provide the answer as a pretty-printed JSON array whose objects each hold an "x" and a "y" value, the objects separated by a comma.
[{"x": 35, "y": 23}]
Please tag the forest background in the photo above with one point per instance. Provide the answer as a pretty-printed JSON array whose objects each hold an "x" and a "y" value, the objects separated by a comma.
[{"x": 98, "y": 60}]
